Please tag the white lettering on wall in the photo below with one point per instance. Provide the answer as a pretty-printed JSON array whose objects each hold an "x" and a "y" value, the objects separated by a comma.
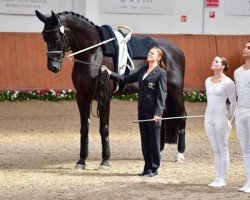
[
  {"x": 155, "y": 7},
  {"x": 28, "y": 7}
]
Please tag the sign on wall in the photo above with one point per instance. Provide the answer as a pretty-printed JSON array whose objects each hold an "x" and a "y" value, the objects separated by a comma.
[
  {"x": 239, "y": 7},
  {"x": 154, "y": 7},
  {"x": 213, "y": 3},
  {"x": 28, "y": 7}
]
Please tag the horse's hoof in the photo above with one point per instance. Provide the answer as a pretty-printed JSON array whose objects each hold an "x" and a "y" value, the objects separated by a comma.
[
  {"x": 180, "y": 158},
  {"x": 104, "y": 167},
  {"x": 79, "y": 166}
]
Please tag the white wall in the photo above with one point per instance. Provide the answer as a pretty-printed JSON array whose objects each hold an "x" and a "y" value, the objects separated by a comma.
[
  {"x": 30, "y": 23},
  {"x": 166, "y": 24},
  {"x": 224, "y": 24},
  {"x": 198, "y": 21}
]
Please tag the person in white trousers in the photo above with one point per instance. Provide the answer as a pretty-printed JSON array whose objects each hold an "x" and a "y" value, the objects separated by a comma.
[
  {"x": 218, "y": 119},
  {"x": 242, "y": 117}
]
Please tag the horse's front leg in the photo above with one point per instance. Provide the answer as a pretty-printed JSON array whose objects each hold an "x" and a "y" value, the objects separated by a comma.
[
  {"x": 84, "y": 109},
  {"x": 104, "y": 132}
]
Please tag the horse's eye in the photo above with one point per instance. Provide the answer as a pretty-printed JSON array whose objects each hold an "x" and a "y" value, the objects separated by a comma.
[{"x": 56, "y": 39}]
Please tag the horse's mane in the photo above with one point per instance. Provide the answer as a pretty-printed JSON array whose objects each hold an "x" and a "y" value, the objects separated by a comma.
[{"x": 77, "y": 16}]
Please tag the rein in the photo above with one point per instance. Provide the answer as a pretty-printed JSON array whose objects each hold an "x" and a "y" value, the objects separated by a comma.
[
  {"x": 86, "y": 49},
  {"x": 83, "y": 62},
  {"x": 91, "y": 47}
]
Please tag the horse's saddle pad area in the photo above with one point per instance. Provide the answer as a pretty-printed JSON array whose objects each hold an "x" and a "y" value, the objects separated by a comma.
[{"x": 138, "y": 46}]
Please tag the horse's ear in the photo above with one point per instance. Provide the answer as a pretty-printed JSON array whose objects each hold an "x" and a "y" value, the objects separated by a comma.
[
  {"x": 54, "y": 17},
  {"x": 41, "y": 16}
]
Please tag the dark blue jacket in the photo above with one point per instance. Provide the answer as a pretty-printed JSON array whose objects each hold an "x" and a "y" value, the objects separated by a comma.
[{"x": 152, "y": 90}]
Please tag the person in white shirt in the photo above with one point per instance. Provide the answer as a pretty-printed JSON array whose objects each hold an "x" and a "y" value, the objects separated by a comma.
[
  {"x": 242, "y": 117},
  {"x": 218, "y": 119}
]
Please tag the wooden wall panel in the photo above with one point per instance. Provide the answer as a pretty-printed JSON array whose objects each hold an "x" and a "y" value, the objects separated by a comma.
[
  {"x": 23, "y": 64},
  {"x": 199, "y": 50},
  {"x": 23, "y": 59},
  {"x": 231, "y": 47}
]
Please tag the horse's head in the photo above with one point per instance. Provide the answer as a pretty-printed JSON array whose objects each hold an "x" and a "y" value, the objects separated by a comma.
[{"x": 54, "y": 36}]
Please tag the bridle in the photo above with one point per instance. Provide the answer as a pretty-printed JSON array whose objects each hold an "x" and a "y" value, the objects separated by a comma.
[
  {"x": 64, "y": 44},
  {"x": 58, "y": 56}
]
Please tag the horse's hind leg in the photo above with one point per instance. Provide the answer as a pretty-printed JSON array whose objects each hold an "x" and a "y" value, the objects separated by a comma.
[
  {"x": 177, "y": 110},
  {"x": 104, "y": 132},
  {"x": 180, "y": 108},
  {"x": 181, "y": 141},
  {"x": 84, "y": 109}
]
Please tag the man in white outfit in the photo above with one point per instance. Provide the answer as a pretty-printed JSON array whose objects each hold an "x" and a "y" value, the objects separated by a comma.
[
  {"x": 219, "y": 88},
  {"x": 242, "y": 117}
]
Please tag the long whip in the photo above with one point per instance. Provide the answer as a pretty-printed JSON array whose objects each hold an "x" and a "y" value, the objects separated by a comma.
[{"x": 169, "y": 118}]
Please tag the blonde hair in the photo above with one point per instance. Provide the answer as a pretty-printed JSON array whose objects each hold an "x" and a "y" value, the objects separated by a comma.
[{"x": 162, "y": 54}]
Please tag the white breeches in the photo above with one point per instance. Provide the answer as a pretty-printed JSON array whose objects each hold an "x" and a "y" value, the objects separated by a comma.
[
  {"x": 218, "y": 129},
  {"x": 242, "y": 122}
]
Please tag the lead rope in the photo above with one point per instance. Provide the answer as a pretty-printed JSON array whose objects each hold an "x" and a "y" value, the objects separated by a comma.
[
  {"x": 101, "y": 103},
  {"x": 93, "y": 95},
  {"x": 97, "y": 89}
]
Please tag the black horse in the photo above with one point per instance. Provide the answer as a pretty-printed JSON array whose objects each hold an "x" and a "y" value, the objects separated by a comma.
[{"x": 67, "y": 30}]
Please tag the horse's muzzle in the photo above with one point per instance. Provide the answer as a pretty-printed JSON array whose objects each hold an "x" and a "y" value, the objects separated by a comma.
[
  {"x": 55, "y": 59},
  {"x": 54, "y": 66}
]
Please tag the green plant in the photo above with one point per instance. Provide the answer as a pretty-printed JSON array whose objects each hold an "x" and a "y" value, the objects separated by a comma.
[
  {"x": 69, "y": 94},
  {"x": 195, "y": 96},
  {"x": 45, "y": 95},
  {"x": 128, "y": 97}
]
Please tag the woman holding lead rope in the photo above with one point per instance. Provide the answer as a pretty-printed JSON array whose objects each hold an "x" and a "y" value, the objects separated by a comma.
[{"x": 152, "y": 96}]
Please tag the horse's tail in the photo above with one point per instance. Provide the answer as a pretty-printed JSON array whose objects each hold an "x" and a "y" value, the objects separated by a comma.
[{"x": 169, "y": 130}]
